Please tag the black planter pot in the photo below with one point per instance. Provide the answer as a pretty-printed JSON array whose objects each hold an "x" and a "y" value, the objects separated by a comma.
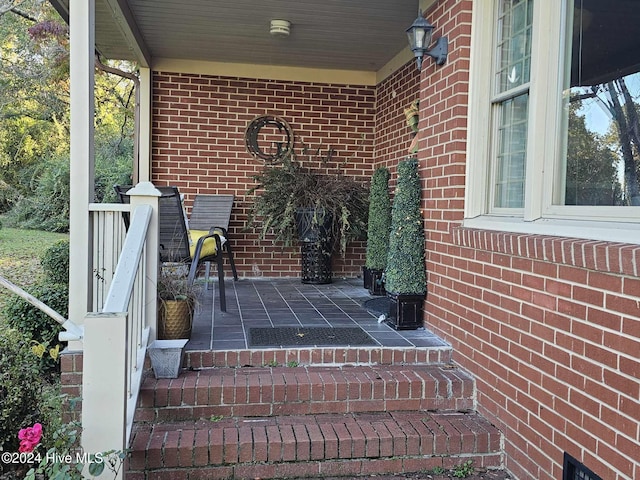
[
  {"x": 405, "y": 311},
  {"x": 313, "y": 226},
  {"x": 316, "y": 245},
  {"x": 316, "y": 263},
  {"x": 377, "y": 284},
  {"x": 366, "y": 277}
]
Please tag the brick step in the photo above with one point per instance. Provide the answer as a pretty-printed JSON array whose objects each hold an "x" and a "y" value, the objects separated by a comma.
[
  {"x": 198, "y": 359},
  {"x": 268, "y": 391},
  {"x": 351, "y": 444}
]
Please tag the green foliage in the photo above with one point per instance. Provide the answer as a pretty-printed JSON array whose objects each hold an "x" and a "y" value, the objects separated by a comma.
[
  {"x": 464, "y": 470},
  {"x": 109, "y": 172},
  {"x": 20, "y": 387},
  {"x": 26, "y": 318},
  {"x": 405, "y": 272},
  {"x": 379, "y": 223},
  {"x": 55, "y": 262},
  {"x": 592, "y": 166},
  {"x": 66, "y": 442},
  {"x": 8, "y": 196},
  {"x": 35, "y": 121},
  {"x": 290, "y": 186},
  {"x": 48, "y": 206}
]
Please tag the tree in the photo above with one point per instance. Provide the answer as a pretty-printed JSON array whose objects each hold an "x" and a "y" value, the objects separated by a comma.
[
  {"x": 34, "y": 117},
  {"x": 591, "y": 166}
]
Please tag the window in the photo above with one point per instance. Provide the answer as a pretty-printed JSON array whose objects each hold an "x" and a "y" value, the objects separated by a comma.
[
  {"x": 603, "y": 85},
  {"x": 574, "y": 470},
  {"x": 555, "y": 146},
  {"x": 511, "y": 101}
]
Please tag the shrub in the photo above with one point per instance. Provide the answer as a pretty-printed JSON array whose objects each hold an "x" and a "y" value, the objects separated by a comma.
[
  {"x": 36, "y": 325},
  {"x": 55, "y": 262},
  {"x": 8, "y": 196},
  {"x": 20, "y": 387},
  {"x": 48, "y": 207}
]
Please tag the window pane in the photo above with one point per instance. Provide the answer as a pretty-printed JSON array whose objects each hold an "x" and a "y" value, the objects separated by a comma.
[
  {"x": 603, "y": 117},
  {"x": 511, "y": 152},
  {"x": 514, "y": 44}
]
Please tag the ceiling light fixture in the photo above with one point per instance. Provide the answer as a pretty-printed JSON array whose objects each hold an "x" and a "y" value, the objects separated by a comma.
[
  {"x": 419, "y": 34},
  {"x": 280, "y": 28}
]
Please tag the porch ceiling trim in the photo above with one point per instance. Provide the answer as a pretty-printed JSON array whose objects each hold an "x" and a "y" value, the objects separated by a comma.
[
  {"x": 268, "y": 72},
  {"x": 127, "y": 24}
]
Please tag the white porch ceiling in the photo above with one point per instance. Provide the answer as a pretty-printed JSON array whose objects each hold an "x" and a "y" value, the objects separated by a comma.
[{"x": 361, "y": 35}]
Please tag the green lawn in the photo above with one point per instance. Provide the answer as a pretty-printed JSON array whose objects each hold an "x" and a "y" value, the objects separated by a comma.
[{"x": 20, "y": 252}]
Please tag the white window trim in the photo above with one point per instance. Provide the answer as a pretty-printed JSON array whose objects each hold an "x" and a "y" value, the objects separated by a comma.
[{"x": 545, "y": 138}]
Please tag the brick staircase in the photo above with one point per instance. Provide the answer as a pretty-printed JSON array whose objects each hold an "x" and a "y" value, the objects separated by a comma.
[{"x": 227, "y": 417}]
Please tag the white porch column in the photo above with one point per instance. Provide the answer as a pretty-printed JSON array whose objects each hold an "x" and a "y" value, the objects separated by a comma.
[
  {"x": 146, "y": 118},
  {"x": 82, "y": 48}
]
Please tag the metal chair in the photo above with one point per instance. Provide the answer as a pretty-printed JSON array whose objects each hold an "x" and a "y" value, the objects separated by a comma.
[
  {"x": 214, "y": 211},
  {"x": 180, "y": 244}
]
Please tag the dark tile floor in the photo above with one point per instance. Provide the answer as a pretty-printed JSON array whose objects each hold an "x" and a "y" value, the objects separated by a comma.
[{"x": 288, "y": 302}]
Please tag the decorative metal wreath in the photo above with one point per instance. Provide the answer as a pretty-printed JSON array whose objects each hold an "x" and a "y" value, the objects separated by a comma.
[{"x": 282, "y": 149}]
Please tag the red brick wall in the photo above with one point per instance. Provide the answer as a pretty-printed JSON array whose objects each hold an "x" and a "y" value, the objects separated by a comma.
[
  {"x": 71, "y": 385},
  {"x": 549, "y": 326},
  {"x": 199, "y": 145},
  {"x": 393, "y": 135}
]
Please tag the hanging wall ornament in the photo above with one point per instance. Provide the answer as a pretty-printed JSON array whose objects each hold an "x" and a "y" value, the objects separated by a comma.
[{"x": 269, "y": 139}]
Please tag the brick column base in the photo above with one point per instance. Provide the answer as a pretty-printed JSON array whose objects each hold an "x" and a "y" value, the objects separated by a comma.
[{"x": 71, "y": 385}]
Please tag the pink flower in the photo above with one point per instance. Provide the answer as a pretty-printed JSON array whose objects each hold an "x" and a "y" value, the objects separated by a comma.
[
  {"x": 26, "y": 446},
  {"x": 30, "y": 437}
]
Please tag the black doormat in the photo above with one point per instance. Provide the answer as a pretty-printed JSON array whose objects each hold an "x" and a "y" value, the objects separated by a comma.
[
  {"x": 307, "y": 336},
  {"x": 377, "y": 306}
]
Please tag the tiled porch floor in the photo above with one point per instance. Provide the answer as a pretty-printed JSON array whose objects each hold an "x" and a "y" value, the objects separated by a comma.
[{"x": 288, "y": 302}]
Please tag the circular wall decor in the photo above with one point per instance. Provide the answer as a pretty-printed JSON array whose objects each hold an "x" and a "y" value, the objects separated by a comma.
[{"x": 269, "y": 139}]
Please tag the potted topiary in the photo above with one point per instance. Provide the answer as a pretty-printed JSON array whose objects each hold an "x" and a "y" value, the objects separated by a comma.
[
  {"x": 323, "y": 212},
  {"x": 379, "y": 223},
  {"x": 405, "y": 276}
]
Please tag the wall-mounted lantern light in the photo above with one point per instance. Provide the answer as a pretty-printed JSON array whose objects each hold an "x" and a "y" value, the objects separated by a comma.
[{"x": 419, "y": 34}]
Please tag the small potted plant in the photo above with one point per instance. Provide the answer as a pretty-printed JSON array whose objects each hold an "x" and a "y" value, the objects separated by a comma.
[
  {"x": 405, "y": 275},
  {"x": 177, "y": 301},
  {"x": 379, "y": 224}
]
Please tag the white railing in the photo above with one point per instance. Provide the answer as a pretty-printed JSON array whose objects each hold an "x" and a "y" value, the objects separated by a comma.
[
  {"x": 117, "y": 331},
  {"x": 108, "y": 237}
]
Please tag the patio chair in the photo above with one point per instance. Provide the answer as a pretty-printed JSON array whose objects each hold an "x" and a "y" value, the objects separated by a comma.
[
  {"x": 178, "y": 244},
  {"x": 214, "y": 211}
]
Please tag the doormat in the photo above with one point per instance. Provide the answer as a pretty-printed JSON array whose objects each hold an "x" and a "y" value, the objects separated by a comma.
[
  {"x": 377, "y": 306},
  {"x": 307, "y": 336}
]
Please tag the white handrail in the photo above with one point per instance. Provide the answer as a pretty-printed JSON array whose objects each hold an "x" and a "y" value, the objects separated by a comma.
[{"x": 72, "y": 331}]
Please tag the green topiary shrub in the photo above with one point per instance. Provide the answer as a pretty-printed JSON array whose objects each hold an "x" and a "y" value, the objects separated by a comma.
[
  {"x": 55, "y": 262},
  {"x": 405, "y": 271},
  {"x": 379, "y": 220},
  {"x": 20, "y": 387}
]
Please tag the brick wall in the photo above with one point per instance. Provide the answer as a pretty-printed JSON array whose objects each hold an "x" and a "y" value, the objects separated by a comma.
[
  {"x": 393, "y": 135},
  {"x": 199, "y": 145},
  {"x": 549, "y": 326},
  {"x": 71, "y": 385}
]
